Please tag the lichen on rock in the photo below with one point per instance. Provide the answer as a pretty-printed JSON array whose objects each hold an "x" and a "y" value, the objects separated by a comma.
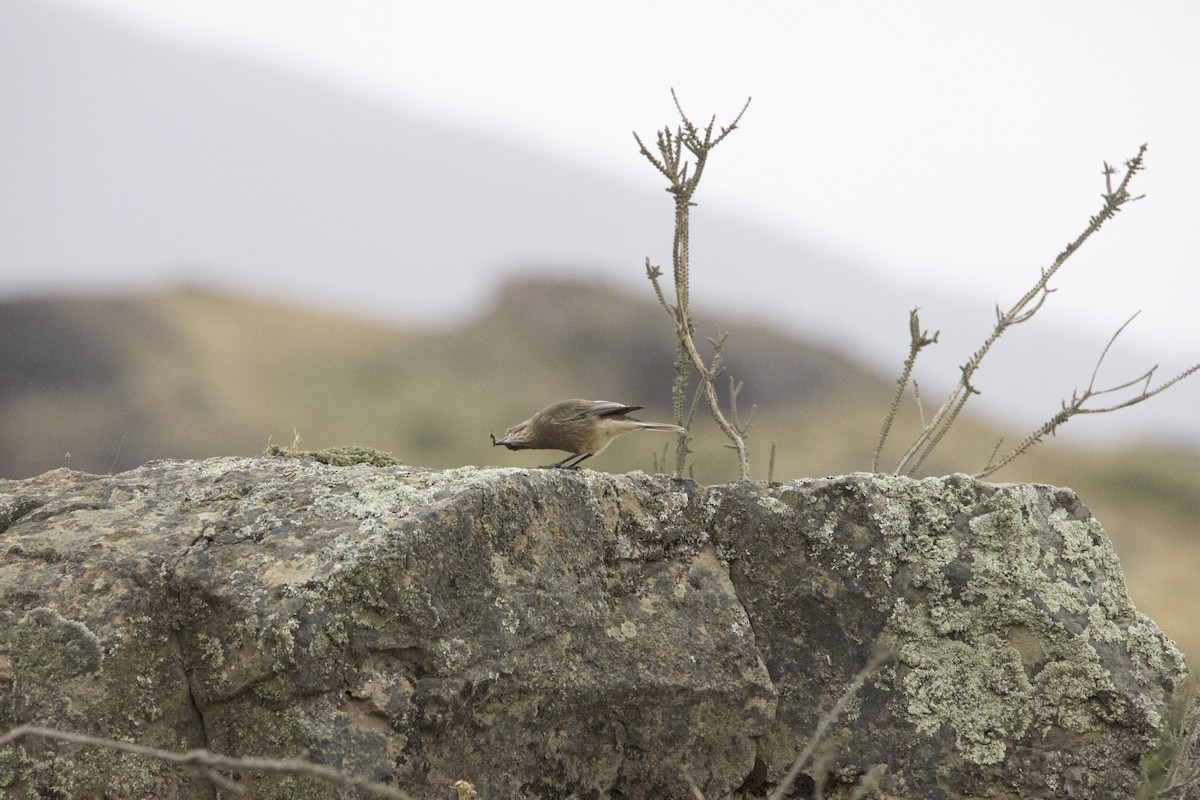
[{"x": 567, "y": 633}]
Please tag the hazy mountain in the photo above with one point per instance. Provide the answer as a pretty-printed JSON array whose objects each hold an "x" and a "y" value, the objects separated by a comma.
[
  {"x": 129, "y": 163},
  {"x": 118, "y": 380}
]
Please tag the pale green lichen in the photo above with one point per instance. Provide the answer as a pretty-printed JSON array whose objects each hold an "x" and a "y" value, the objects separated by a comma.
[
  {"x": 508, "y": 620},
  {"x": 978, "y": 688},
  {"x": 622, "y": 546},
  {"x": 211, "y": 650},
  {"x": 500, "y": 572},
  {"x": 712, "y": 505},
  {"x": 964, "y": 671},
  {"x": 774, "y": 505},
  {"x": 1065, "y": 688},
  {"x": 625, "y": 631},
  {"x": 456, "y": 654},
  {"x": 1145, "y": 642},
  {"x": 372, "y": 497},
  {"x": 672, "y": 505},
  {"x": 824, "y": 534}
]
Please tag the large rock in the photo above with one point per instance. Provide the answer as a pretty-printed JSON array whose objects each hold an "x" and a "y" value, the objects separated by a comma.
[{"x": 566, "y": 634}]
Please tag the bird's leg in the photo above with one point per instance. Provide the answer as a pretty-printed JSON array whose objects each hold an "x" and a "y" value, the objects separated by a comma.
[
  {"x": 564, "y": 465},
  {"x": 575, "y": 464},
  {"x": 558, "y": 464}
]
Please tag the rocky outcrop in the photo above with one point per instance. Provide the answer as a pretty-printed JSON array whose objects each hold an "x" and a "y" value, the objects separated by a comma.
[{"x": 559, "y": 634}]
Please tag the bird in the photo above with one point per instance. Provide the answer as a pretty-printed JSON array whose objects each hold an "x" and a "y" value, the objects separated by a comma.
[{"x": 582, "y": 428}]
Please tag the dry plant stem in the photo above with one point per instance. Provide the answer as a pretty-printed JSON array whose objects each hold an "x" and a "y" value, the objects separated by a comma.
[
  {"x": 708, "y": 386},
  {"x": 660, "y": 463},
  {"x": 671, "y": 163},
  {"x": 1076, "y": 404},
  {"x": 1021, "y": 311},
  {"x": 683, "y": 441},
  {"x": 735, "y": 388},
  {"x": 918, "y": 340},
  {"x": 680, "y": 384},
  {"x": 869, "y": 782},
  {"x": 879, "y": 657},
  {"x": 920, "y": 405},
  {"x": 207, "y": 762},
  {"x": 692, "y": 787}
]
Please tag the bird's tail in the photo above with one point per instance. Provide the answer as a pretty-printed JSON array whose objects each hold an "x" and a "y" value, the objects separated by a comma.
[{"x": 660, "y": 426}]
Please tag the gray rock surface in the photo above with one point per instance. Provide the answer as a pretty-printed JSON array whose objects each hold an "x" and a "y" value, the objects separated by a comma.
[{"x": 559, "y": 634}]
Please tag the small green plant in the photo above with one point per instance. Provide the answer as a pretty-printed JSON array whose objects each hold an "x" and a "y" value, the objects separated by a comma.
[
  {"x": 333, "y": 456},
  {"x": 1171, "y": 771},
  {"x": 935, "y": 428},
  {"x": 683, "y": 177}
]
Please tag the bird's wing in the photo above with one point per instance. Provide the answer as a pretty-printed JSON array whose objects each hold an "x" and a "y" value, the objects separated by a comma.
[
  {"x": 569, "y": 410},
  {"x": 607, "y": 408}
]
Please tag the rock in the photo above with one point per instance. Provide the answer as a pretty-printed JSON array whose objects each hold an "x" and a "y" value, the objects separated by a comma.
[
  {"x": 1022, "y": 668},
  {"x": 559, "y": 634}
]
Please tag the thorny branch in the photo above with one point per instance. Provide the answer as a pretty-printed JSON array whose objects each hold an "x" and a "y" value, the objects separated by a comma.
[
  {"x": 932, "y": 431},
  {"x": 1076, "y": 404},
  {"x": 918, "y": 340}
]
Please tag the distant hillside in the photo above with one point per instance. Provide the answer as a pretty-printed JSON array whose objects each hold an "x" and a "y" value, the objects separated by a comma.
[{"x": 117, "y": 381}]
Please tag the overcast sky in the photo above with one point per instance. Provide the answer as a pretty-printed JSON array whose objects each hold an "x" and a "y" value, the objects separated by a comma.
[
  {"x": 397, "y": 158},
  {"x": 961, "y": 141}
]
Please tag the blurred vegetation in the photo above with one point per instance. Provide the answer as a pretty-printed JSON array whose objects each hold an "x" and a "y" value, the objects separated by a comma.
[{"x": 119, "y": 381}]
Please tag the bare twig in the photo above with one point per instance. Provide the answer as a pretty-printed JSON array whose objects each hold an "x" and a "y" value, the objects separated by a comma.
[
  {"x": 1076, "y": 404},
  {"x": 660, "y": 462},
  {"x": 670, "y": 161},
  {"x": 869, "y": 782},
  {"x": 1115, "y": 197},
  {"x": 208, "y": 762},
  {"x": 692, "y": 787},
  {"x": 116, "y": 455},
  {"x": 1020, "y": 312},
  {"x": 920, "y": 405},
  {"x": 918, "y": 340},
  {"x": 735, "y": 388}
]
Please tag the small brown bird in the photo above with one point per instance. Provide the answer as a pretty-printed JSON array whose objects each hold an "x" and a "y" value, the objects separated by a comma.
[{"x": 580, "y": 427}]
